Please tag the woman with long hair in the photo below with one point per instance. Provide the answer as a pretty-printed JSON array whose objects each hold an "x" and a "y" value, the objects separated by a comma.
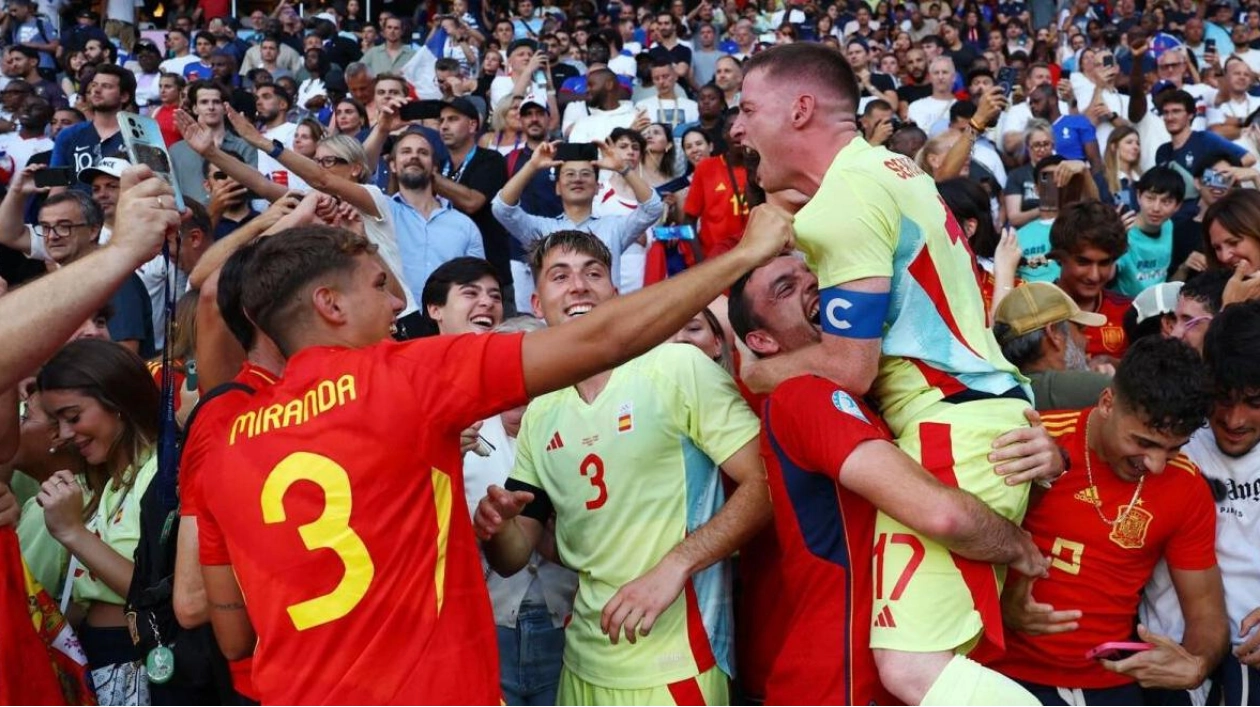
[
  {"x": 660, "y": 169},
  {"x": 705, "y": 332},
  {"x": 1122, "y": 166},
  {"x": 1231, "y": 230},
  {"x": 105, "y": 406},
  {"x": 696, "y": 146},
  {"x": 350, "y": 118},
  {"x": 505, "y": 122},
  {"x": 997, "y": 253},
  {"x": 307, "y": 136}
]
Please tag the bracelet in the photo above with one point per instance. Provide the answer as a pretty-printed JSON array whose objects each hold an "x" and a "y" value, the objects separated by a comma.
[
  {"x": 626, "y": 170},
  {"x": 978, "y": 128},
  {"x": 277, "y": 148}
]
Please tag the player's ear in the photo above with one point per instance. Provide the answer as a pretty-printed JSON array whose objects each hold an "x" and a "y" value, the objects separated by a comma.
[
  {"x": 328, "y": 304},
  {"x": 535, "y": 304},
  {"x": 761, "y": 343},
  {"x": 1107, "y": 402}
]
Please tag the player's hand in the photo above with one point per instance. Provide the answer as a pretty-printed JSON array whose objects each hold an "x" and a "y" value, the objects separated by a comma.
[
  {"x": 246, "y": 130},
  {"x": 1243, "y": 286},
  {"x": 61, "y": 497},
  {"x": 8, "y": 507},
  {"x": 1030, "y": 562},
  {"x": 280, "y": 208},
  {"x": 1247, "y": 652},
  {"x": 496, "y": 508},
  {"x": 1023, "y": 613},
  {"x": 769, "y": 232},
  {"x": 1166, "y": 666},
  {"x": 1027, "y": 453},
  {"x": 149, "y": 204},
  {"x": 636, "y": 606},
  {"x": 469, "y": 439},
  {"x": 195, "y": 134}
]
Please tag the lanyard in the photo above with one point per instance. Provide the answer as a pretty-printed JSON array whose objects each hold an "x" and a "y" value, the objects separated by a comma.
[
  {"x": 739, "y": 193},
  {"x": 168, "y": 448},
  {"x": 456, "y": 176}
]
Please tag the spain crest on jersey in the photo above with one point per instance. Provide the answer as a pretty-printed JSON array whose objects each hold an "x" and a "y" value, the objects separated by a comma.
[
  {"x": 1130, "y": 532},
  {"x": 1112, "y": 337}
]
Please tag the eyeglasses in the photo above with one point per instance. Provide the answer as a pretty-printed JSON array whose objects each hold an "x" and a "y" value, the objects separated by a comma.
[
  {"x": 61, "y": 229},
  {"x": 1191, "y": 323},
  {"x": 328, "y": 161},
  {"x": 1171, "y": 66}
]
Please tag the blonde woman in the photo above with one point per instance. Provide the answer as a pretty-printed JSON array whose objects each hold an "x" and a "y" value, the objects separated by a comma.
[
  {"x": 1121, "y": 166},
  {"x": 506, "y": 124}
]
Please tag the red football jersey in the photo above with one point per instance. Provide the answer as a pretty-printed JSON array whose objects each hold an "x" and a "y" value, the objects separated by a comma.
[
  {"x": 210, "y": 424},
  {"x": 826, "y": 533},
  {"x": 1099, "y": 569},
  {"x": 338, "y": 501},
  {"x": 1109, "y": 339},
  {"x": 721, "y": 206}
]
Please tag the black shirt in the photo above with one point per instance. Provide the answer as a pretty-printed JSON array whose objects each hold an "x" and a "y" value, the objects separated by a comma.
[
  {"x": 910, "y": 94},
  {"x": 486, "y": 172}
]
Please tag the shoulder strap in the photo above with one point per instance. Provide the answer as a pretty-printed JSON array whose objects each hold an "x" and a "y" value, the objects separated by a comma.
[
  {"x": 512, "y": 158},
  {"x": 211, "y": 395}
]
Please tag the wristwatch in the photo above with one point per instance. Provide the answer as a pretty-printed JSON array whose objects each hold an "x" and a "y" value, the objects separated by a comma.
[
  {"x": 276, "y": 148},
  {"x": 1112, "y": 118}
]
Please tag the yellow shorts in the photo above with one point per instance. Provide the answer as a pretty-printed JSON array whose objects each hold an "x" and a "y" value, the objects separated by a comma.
[
  {"x": 926, "y": 598},
  {"x": 708, "y": 688}
]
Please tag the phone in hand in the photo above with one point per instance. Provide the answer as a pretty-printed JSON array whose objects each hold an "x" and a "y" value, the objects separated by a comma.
[
  {"x": 145, "y": 145},
  {"x": 1209, "y": 45},
  {"x": 1008, "y": 78},
  {"x": 1108, "y": 60},
  {"x": 421, "y": 110},
  {"x": 577, "y": 152},
  {"x": 1116, "y": 650},
  {"x": 54, "y": 177},
  {"x": 1048, "y": 190},
  {"x": 685, "y": 232}
]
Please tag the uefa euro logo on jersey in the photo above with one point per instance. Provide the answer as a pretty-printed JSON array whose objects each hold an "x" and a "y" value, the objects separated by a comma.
[
  {"x": 847, "y": 405},
  {"x": 625, "y": 418}
]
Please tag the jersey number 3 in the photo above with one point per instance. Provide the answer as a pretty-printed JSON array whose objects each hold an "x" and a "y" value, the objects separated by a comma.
[
  {"x": 331, "y": 530},
  {"x": 592, "y": 468}
]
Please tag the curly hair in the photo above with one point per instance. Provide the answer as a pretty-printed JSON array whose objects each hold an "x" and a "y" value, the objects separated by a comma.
[{"x": 1166, "y": 383}]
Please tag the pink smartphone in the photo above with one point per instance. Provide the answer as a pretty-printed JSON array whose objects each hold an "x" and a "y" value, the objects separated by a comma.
[{"x": 1115, "y": 650}]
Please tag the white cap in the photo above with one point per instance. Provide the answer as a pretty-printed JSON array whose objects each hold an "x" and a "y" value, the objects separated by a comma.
[{"x": 113, "y": 166}]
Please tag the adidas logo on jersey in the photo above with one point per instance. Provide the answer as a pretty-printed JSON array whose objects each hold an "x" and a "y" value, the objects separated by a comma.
[
  {"x": 884, "y": 619},
  {"x": 1089, "y": 495},
  {"x": 555, "y": 443}
]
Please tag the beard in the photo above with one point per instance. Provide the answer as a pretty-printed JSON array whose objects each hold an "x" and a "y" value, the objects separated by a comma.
[
  {"x": 1074, "y": 358},
  {"x": 415, "y": 179}
]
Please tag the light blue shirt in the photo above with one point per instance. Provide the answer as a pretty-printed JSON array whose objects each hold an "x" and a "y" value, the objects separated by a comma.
[
  {"x": 424, "y": 244},
  {"x": 1034, "y": 240},
  {"x": 1147, "y": 261},
  {"x": 616, "y": 232}
]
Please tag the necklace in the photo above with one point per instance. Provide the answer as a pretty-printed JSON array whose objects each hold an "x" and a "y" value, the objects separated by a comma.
[{"x": 1089, "y": 476}]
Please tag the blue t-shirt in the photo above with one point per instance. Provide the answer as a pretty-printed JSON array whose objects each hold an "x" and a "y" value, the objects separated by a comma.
[
  {"x": 80, "y": 146},
  {"x": 1034, "y": 240},
  {"x": 1200, "y": 144},
  {"x": 133, "y": 316},
  {"x": 1071, "y": 134},
  {"x": 1147, "y": 261},
  {"x": 197, "y": 70}
]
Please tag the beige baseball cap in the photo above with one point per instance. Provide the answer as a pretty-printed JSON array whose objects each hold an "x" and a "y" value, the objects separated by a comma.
[{"x": 1035, "y": 305}]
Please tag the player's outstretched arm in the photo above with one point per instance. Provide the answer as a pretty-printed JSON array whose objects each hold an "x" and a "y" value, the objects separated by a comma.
[
  {"x": 636, "y": 606},
  {"x": 232, "y": 629},
  {"x": 37, "y": 319},
  {"x": 896, "y": 484},
  {"x": 625, "y": 327},
  {"x": 852, "y": 319}
]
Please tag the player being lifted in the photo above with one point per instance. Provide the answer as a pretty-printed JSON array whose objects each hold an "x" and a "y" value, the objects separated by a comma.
[{"x": 902, "y": 319}]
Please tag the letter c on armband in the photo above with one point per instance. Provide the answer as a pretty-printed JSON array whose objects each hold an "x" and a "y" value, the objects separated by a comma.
[{"x": 853, "y": 315}]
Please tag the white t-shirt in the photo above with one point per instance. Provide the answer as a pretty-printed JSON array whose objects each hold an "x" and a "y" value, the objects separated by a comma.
[
  {"x": 623, "y": 65},
  {"x": 178, "y": 64},
  {"x": 1115, "y": 101},
  {"x": 271, "y": 168},
  {"x": 599, "y": 124},
  {"x": 1237, "y": 527},
  {"x": 671, "y": 111},
  {"x": 1232, "y": 109},
  {"x": 1252, "y": 59},
  {"x": 20, "y": 149},
  {"x": 927, "y": 112},
  {"x": 151, "y": 275},
  {"x": 1204, "y": 98}
]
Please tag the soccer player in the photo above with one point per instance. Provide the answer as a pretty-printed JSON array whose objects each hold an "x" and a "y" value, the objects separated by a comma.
[
  {"x": 902, "y": 318},
  {"x": 627, "y": 460},
  {"x": 352, "y": 553},
  {"x": 1132, "y": 499},
  {"x": 831, "y": 462}
]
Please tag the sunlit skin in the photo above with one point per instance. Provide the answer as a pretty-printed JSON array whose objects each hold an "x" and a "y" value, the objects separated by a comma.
[
  {"x": 571, "y": 285},
  {"x": 1235, "y": 423},
  {"x": 698, "y": 333},
  {"x": 1126, "y": 443},
  {"x": 83, "y": 422},
  {"x": 1083, "y": 275},
  {"x": 472, "y": 308},
  {"x": 1234, "y": 251}
]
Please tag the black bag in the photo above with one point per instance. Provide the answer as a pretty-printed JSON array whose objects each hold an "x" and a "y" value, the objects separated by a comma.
[{"x": 201, "y": 674}]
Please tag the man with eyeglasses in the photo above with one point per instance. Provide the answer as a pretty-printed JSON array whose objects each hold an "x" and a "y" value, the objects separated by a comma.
[
  {"x": 1096, "y": 83},
  {"x": 577, "y": 183},
  {"x": 1227, "y": 115},
  {"x": 206, "y": 99},
  {"x": 1199, "y": 301},
  {"x": 68, "y": 229},
  {"x": 1173, "y": 66}
]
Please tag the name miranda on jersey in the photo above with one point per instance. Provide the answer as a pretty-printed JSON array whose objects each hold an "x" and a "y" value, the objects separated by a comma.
[{"x": 318, "y": 399}]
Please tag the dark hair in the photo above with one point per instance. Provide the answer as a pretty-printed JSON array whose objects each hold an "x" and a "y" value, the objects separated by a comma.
[
  {"x": 198, "y": 219},
  {"x": 117, "y": 378},
  {"x": 1238, "y": 212},
  {"x": 812, "y": 65},
  {"x": 197, "y": 87},
  {"x": 179, "y": 80},
  {"x": 397, "y": 79},
  {"x": 1206, "y": 162},
  {"x": 968, "y": 200},
  {"x": 1088, "y": 224},
  {"x": 458, "y": 271},
  {"x": 1231, "y": 348},
  {"x": 277, "y": 89},
  {"x": 126, "y": 79},
  {"x": 1207, "y": 288},
  {"x": 204, "y": 34},
  {"x": 446, "y": 63},
  {"x": 1163, "y": 181},
  {"x": 288, "y": 263},
  {"x": 1165, "y": 382},
  {"x": 739, "y": 308},
  {"x": 93, "y": 216},
  {"x": 358, "y": 107},
  {"x": 876, "y": 104},
  {"x": 568, "y": 240},
  {"x": 1176, "y": 96},
  {"x": 228, "y": 296},
  {"x": 634, "y": 135}
]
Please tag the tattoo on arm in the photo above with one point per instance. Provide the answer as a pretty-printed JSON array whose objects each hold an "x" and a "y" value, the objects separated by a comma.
[{"x": 230, "y": 606}]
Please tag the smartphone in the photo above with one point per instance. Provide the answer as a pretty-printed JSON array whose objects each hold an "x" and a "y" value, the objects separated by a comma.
[
  {"x": 577, "y": 152},
  {"x": 1209, "y": 45},
  {"x": 674, "y": 233},
  {"x": 1007, "y": 78},
  {"x": 421, "y": 110},
  {"x": 540, "y": 77},
  {"x": 1108, "y": 60},
  {"x": 54, "y": 177},
  {"x": 1049, "y": 191},
  {"x": 145, "y": 145},
  {"x": 1115, "y": 650}
]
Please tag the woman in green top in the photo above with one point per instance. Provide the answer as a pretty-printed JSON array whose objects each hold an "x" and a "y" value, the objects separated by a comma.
[{"x": 106, "y": 406}]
